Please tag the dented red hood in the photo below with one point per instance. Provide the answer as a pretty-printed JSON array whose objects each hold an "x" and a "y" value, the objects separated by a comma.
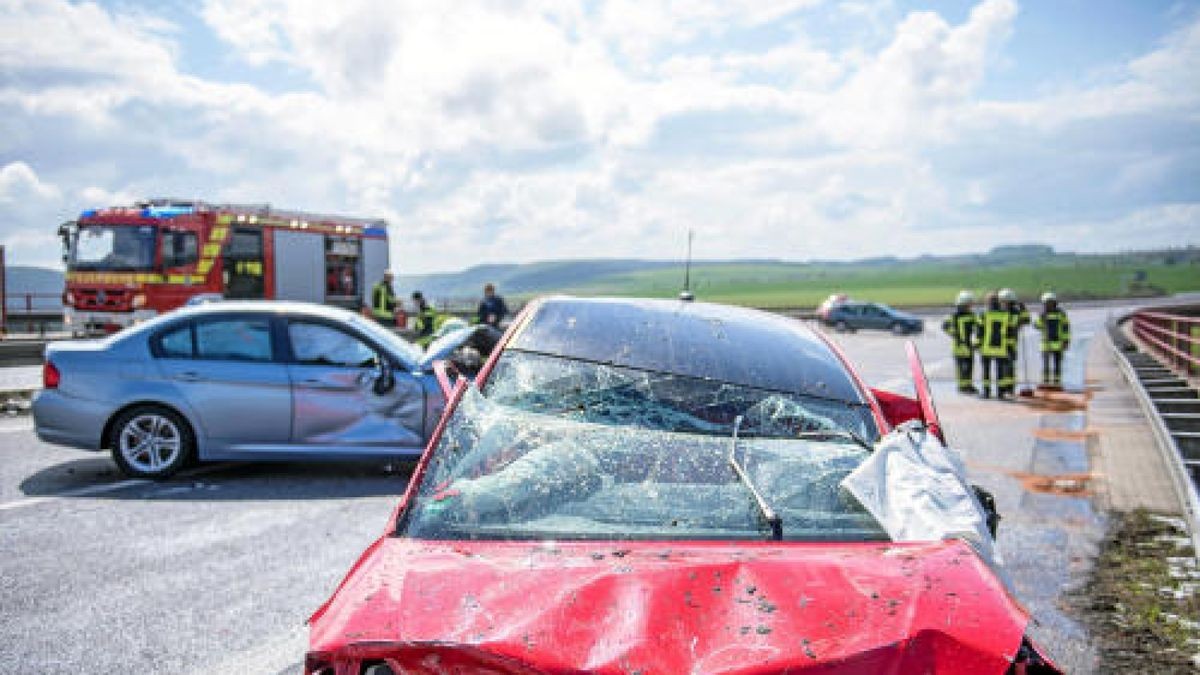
[{"x": 512, "y": 607}]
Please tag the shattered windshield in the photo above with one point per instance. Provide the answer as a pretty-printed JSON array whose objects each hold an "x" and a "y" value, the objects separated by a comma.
[
  {"x": 114, "y": 247},
  {"x": 507, "y": 472},
  {"x": 607, "y": 394}
]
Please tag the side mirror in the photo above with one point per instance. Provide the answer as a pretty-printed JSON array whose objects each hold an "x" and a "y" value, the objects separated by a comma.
[
  {"x": 66, "y": 233},
  {"x": 385, "y": 378},
  {"x": 442, "y": 369}
]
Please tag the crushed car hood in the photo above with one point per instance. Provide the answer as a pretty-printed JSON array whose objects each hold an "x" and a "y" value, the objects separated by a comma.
[{"x": 658, "y": 607}]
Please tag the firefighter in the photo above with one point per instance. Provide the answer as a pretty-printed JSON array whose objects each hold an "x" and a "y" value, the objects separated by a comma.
[
  {"x": 993, "y": 349},
  {"x": 425, "y": 317},
  {"x": 383, "y": 301},
  {"x": 963, "y": 329},
  {"x": 1056, "y": 339},
  {"x": 1018, "y": 319}
]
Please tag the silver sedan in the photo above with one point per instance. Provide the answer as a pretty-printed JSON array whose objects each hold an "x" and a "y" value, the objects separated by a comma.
[{"x": 241, "y": 381}]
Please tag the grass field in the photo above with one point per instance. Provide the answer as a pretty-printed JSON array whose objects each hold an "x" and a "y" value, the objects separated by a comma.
[{"x": 776, "y": 285}]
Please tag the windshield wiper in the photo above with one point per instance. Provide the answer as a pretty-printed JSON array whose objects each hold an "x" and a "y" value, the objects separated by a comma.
[
  {"x": 836, "y": 433},
  {"x": 764, "y": 508}
]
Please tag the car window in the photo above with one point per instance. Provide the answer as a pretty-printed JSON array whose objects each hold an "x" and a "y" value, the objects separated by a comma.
[
  {"x": 242, "y": 339},
  {"x": 317, "y": 344},
  {"x": 177, "y": 344}
]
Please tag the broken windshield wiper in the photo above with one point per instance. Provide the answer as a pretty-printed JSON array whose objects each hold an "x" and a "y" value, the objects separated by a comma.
[
  {"x": 836, "y": 433},
  {"x": 764, "y": 508}
]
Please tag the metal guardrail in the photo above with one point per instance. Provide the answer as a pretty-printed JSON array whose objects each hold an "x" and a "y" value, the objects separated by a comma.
[
  {"x": 1172, "y": 336},
  {"x": 1170, "y": 404}
]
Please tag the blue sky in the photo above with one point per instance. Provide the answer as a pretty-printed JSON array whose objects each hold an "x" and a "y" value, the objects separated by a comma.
[{"x": 491, "y": 131}]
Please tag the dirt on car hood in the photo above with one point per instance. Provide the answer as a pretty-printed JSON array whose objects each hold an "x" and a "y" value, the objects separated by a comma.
[{"x": 655, "y": 607}]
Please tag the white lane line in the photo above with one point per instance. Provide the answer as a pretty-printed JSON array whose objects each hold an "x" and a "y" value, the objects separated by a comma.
[{"x": 100, "y": 489}]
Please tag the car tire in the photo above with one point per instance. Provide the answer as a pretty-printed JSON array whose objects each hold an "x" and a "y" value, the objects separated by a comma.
[
  {"x": 899, "y": 329},
  {"x": 841, "y": 326},
  {"x": 151, "y": 441}
]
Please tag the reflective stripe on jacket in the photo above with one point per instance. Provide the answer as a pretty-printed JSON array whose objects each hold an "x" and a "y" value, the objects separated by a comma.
[
  {"x": 994, "y": 333},
  {"x": 1018, "y": 317},
  {"x": 1056, "y": 330},
  {"x": 963, "y": 329}
]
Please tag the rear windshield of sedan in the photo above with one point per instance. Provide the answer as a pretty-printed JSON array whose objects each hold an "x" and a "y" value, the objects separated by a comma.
[{"x": 567, "y": 449}]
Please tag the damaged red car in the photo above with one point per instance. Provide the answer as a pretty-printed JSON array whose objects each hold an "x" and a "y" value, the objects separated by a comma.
[{"x": 645, "y": 486}]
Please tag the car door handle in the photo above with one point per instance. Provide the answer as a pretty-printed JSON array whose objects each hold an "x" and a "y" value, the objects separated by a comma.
[{"x": 188, "y": 376}]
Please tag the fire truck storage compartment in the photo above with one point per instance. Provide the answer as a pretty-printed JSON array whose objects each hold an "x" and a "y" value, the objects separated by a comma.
[
  {"x": 299, "y": 266},
  {"x": 343, "y": 267}
]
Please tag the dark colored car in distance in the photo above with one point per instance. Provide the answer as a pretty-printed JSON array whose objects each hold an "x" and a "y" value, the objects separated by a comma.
[{"x": 853, "y": 315}]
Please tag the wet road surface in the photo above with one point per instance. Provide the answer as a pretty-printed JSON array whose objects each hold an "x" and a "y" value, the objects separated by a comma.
[{"x": 216, "y": 571}]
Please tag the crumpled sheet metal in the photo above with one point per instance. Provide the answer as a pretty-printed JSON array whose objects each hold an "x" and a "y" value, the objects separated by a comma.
[
  {"x": 650, "y": 607},
  {"x": 917, "y": 489}
]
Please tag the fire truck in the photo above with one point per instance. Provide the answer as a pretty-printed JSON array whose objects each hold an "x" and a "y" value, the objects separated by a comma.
[{"x": 128, "y": 264}]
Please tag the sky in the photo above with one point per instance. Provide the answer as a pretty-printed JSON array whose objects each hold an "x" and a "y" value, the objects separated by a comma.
[{"x": 497, "y": 131}]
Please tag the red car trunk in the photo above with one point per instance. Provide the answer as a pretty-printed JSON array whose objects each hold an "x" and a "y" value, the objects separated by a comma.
[{"x": 671, "y": 607}]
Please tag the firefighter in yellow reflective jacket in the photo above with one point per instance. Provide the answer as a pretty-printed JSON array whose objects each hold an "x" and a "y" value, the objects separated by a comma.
[
  {"x": 993, "y": 349},
  {"x": 425, "y": 319},
  {"x": 1056, "y": 339},
  {"x": 383, "y": 301},
  {"x": 1018, "y": 318},
  {"x": 963, "y": 329}
]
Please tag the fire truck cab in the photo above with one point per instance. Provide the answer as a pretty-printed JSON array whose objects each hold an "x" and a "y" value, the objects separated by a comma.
[{"x": 128, "y": 264}]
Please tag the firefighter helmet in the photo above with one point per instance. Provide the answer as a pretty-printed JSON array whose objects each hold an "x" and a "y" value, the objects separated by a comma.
[
  {"x": 1007, "y": 295},
  {"x": 1049, "y": 296},
  {"x": 964, "y": 298}
]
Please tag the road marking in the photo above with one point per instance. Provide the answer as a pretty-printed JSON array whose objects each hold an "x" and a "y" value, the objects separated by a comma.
[{"x": 100, "y": 489}]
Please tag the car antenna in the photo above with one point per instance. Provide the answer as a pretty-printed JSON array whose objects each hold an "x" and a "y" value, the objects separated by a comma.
[
  {"x": 768, "y": 513},
  {"x": 686, "y": 294}
]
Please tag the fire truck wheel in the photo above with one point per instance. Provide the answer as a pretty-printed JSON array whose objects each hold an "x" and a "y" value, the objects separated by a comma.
[{"x": 151, "y": 441}]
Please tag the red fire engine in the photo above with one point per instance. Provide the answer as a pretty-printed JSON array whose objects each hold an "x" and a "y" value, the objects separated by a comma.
[{"x": 127, "y": 264}]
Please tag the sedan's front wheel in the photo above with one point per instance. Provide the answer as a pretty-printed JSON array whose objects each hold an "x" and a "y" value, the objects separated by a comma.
[{"x": 151, "y": 442}]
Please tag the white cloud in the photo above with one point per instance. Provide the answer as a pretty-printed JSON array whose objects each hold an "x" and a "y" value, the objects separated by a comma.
[
  {"x": 495, "y": 130},
  {"x": 19, "y": 183}
]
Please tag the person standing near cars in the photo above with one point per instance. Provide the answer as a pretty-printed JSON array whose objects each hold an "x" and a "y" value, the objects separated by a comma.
[
  {"x": 963, "y": 329},
  {"x": 383, "y": 301},
  {"x": 993, "y": 349},
  {"x": 492, "y": 309},
  {"x": 1056, "y": 339},
  {"x": 424, "y": 318},
  {"x": 1018, "y": 317}
]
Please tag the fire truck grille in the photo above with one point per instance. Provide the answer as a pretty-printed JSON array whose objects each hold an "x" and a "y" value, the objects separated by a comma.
[{"x": 102, "y": 299}]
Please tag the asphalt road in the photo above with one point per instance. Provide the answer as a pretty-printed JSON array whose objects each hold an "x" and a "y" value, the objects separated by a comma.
[{"x": 215, "y": 571}]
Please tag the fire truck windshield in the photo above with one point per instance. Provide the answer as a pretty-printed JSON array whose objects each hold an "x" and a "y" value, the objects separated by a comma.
[{"x": 114, "y": 247}]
